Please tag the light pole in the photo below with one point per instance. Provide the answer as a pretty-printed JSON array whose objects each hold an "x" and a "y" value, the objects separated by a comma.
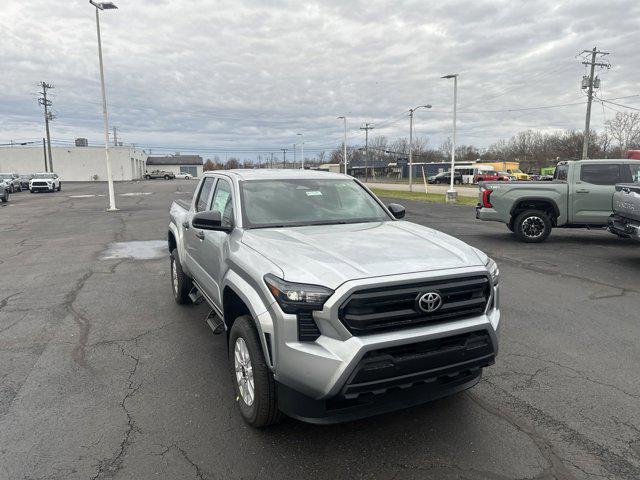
[
  {"x": 302, "y": 148},
  {"x": 411, "y": 110},
  {"x": 344, "y": 144},
  {"x": 105, "y": 6},
  {"x": 452, "y": 195}
]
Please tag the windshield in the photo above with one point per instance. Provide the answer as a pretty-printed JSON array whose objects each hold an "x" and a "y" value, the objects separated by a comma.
[
  {"x": 6, "y": 176},
  {"x": 297, "y": 202},
  {"x": 43, "y": 175}
]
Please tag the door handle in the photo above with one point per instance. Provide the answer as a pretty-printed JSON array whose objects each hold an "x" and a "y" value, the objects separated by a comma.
[
  {"x": 200, "y": 234},
  {"x": 582, "y": 190},
  {"x": 185, "y": 224}
]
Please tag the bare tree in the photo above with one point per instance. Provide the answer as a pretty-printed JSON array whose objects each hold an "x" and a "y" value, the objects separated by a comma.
[{"x": 625, "y": 129}]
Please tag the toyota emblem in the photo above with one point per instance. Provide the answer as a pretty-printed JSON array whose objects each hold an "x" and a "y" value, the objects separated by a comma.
[{"x": 430, "y": 302}]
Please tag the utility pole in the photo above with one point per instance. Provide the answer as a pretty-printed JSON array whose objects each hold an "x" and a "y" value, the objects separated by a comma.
[
  {"x": 271, "y": 165},
  {"x": 452, "y": 195},
  {"x": 44, "y": 151},
  {"x": 46, "y": 103},
  {"x": 115, "y": 136},
  {"x": 294, "y": 155},
  {"x": 366, "y": 129},
  {"x": 592, "y": 83},
  {"x": 284, "y": 157},
  {"x": 301, "y": 135},
  {"x": 344, "y": 144}
]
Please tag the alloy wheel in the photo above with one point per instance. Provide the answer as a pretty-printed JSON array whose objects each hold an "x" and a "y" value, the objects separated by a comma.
[
  {"x": 244, "y": 371},
  {"x": 533, "y": 227}
]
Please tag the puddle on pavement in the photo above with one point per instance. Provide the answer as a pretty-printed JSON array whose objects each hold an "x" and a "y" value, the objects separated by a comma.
[{"x": 136, "y": 250}]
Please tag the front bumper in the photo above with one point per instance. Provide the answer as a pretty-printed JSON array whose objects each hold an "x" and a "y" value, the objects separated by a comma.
[
  {"x": 42, "y": 188},
  {"x": 624, "y": 227},
  {"x": 322, "y": 381}
]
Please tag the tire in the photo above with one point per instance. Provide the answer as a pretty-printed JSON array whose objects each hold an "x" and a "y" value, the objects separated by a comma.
[
  {"x": 532, "y": 226},
  {"x": 181, "y": 284},
  {"x": 260, "y": 410},
  {"x": 60, "y": 186},
  {"x": 147, "y": 177},
  {"x": 5, "y": 199},
  {"x": 166, "y": 177},
  {"x": 32, "y": 190}
]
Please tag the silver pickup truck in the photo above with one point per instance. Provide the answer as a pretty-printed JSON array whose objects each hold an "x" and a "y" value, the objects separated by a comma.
[
  {"x": 333, "y": 308},
  {"x": 625, "y": 220},
  {"x": 579, "y": 196}
]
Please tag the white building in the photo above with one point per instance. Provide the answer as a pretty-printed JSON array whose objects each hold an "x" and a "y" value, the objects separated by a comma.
[
  {"x": 76, "y": 164},
  {"x": 191, "y": 164}
]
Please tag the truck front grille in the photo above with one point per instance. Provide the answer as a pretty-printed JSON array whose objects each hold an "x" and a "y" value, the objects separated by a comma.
[
  {"x": 39, "y": 184},
  {"x": 436, "y": 361},
  {"x": 389, "y": 308}
]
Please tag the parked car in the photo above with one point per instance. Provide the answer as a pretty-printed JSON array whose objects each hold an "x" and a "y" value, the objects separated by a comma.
[
  {"x": 625, "y": 219},
  {"x": 485, "y": 176},
  {"x": 580, "y": 196},
  {"x": 4, "y": 191},
  {"x": 24, "y": 181},
  {"x": 159, "y": 174},
  {"x": 445, "y": 177},
  {"x": 12, "y": 182},
  {"x": 183, "y": 176},
  {"x": 323, "y": 321},
  {"x": 45, "y": 182}
]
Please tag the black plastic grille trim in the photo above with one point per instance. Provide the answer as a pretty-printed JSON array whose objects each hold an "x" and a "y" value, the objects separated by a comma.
[
  {"x": 430, "y": 361},
  {"x": 378, "y": 309},
  {"x": 307, "y": 328}
]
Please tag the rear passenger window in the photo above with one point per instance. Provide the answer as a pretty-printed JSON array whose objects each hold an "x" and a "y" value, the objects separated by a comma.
[
  {"x": 205, "y": 192},
  {"x": 561, "y": 172},
  {"x": 600, "y": 174}
]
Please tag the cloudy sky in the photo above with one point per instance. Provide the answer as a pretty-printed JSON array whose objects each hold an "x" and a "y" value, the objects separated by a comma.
[{"x": 243, "y": 77}]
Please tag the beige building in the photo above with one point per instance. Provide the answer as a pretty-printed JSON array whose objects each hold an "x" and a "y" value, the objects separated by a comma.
[
  {"x": 191, "y": 164},
  {"x": 76, "y": 164}
]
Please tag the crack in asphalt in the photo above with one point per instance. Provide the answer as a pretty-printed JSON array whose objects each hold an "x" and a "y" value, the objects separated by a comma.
[
  {"x": 580, "y": 374},
  {"x": 610, "y": 461},
  {"x": 556, "y": 465},
  {"x": 108, "y": 467},
  {"x": 83, "y": 322},
  {"x": 5, "y": 301},
  {"x": 536, "y": 268},
  {"x": 26, "y": 248},
  {"x": 199, "y": 472}
]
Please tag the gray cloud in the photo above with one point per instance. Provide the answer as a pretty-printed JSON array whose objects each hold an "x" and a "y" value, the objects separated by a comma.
[{"x": 250, "y": 75}]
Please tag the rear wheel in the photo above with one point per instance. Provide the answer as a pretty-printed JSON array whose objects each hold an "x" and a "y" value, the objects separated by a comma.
[
  {"x": 60, "y": 186},
  {"x": 181, "y": 284},
  {"x": 532, "y": 226},
  {"x": 254, "y": 386},
  {"x": 166, "y": 177}
]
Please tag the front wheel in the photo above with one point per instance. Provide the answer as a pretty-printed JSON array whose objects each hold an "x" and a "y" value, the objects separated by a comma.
[
  {"x": 254, "y": 386},
  {"x": 60, "y": 186},
  {"x": 532, "y": 226},
  {"x": 5, "y": 199},
  {"x": 181, "y": 284},
  {"x": 166, "y": 177}
]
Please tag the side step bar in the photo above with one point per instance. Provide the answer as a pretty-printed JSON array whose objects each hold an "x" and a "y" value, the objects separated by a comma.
[{"x": 213, "y": 319}]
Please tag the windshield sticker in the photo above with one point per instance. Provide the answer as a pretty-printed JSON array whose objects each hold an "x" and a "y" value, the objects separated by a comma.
[{"x": 313, "y": 193}]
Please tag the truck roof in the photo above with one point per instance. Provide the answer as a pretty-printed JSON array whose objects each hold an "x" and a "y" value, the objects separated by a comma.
[
  {"x": 599, "y": 160},
  {"x": 269, "y": 173}
]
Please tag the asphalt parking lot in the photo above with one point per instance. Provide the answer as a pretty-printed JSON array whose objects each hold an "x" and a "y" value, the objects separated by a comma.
[{"x": 102, "y": 375}]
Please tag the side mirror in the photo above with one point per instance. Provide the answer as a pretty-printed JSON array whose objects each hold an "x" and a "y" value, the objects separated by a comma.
[
  {"x": 396, "y": 210},
  {"x": 209, "y": 220}
]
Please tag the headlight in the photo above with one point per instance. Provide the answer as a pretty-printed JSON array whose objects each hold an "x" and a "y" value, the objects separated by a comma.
[
  {"x": 296, "y": 297},
  {"x": 493, "y": 270}
]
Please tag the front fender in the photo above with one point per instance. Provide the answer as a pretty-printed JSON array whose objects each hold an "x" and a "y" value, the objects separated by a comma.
[{"x": 258, "y": 304}]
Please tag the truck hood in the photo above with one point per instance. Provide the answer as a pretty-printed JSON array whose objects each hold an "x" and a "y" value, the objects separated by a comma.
[{"x": 330, "y": 255}]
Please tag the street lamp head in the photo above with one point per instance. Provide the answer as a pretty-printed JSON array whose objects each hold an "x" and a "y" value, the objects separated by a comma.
[
  {"x": 103, "y": 5},
  {"x": 428, "y": 105},
  {"x": 452, "y": 75},
  {"x": 340, "y": 117}
]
